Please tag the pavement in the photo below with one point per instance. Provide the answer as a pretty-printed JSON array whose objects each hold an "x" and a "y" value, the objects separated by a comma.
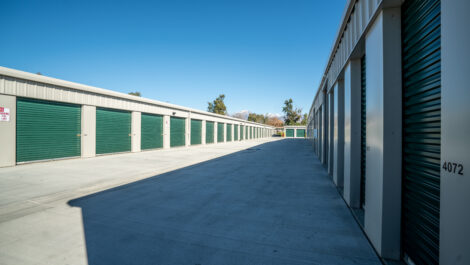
[{"x": 264, "y": 201}]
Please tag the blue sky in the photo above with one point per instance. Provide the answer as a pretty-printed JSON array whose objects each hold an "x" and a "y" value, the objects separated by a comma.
[{"x": 257, "y": 53}]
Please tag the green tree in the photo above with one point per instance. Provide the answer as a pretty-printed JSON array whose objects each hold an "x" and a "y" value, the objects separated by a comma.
[
  {"x": 292, "y": 116},
  {"x": 304, "y": 119},
  {"x": 259, "y": 118},
  {"x": 218, "y": 105},
  {"x": 136, "y": 93}
]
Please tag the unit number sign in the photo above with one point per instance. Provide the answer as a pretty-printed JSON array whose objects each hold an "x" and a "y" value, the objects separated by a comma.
[
  {"x": 4, "y": 114},
  {"x": 451, "y": 167}
]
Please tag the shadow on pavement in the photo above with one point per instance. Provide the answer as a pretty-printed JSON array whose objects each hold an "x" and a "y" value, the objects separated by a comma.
[{"x": 269, "y": 204}]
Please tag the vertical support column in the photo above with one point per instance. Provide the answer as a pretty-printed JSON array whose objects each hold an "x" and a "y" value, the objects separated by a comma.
[
  {"x": 216, "y": 132},
  {"x": 203, "y": 132},
  {"x": 8, "y": 132},
  {"x": 331, "y": 132},
  {"x": 338, "y": 163},
  {"x": 239, "y": 134},
  {"x": 225, "y": 132},
  {"x": 166, "y": 131},
  {"x": 88, "y": 138},
  {"x": 352, "y": 133},
  {"x": 455, "y": 126},
  {"x": 135, "y": 131},
  {"x": 382, "y": 217},
  {"x": 188, "y": 130}
]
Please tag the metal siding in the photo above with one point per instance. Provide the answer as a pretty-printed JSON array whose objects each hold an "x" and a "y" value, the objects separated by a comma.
[
  {"x": 289, "y": 132},
  {"x": 177, "y": 131},
  {"x": 47, "y": 130},
  {"x": 196, "y": 132},
  {"x": 300, "y": 133},
  {"x": 363, "y": 133},
  {"x": 220, "y": 132},
  {"x": 421, "y": 51},
  {"x": 209, "y": 132},
  {"x": 113, "y": 131},
  {"x": 229, "y": 132},
  {"x": 151, "y": 131}
]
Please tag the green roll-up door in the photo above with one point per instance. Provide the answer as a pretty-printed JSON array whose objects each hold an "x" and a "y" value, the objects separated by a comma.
[
  {"x": 151, "y": 131},
  {"x": 235, "y": 132},
  {"x": 177, "y": 131},
  {"x": 229, "y": 132},
  {"x": 363, "y": 133},
  {"x": 196, "y": 132},
  {"x": 289, "y": 132},
  {"x": 113, "y": 131},
  {"x": 220, "y": 132},
  {"x": 242, "y": 128},
  {"x": 421, "y": 58},
  {"x": 251, "y": 132},
  {"x": 47, "y": 130},
  {"x": 300, "y": 133},
  {"x": 209, "y": 132}
]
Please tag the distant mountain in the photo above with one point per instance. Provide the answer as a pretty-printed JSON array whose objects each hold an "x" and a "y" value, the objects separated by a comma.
[{"x": 241, "y": 114}]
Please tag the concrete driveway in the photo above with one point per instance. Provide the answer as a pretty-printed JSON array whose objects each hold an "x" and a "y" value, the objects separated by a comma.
[{"x": 254, "y": 202}]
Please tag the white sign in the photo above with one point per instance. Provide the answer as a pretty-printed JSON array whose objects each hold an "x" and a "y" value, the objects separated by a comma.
[{"x": 4, "y": 114}]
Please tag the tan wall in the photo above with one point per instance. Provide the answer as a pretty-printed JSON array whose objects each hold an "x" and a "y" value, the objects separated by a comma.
[{"x": 8, "y": 133}]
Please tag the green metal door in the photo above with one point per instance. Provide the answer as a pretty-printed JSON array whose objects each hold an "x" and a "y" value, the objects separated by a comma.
[
  {"x": 289, "y": 132},
  {"x": 300, "y": 133},
  {"x": 235, "y": 132},
  {"x": 251, "y": 132},
  {"x": 220, "y": 132},
  {"x": 421, "y": 58},
  {"x": 196, "y": 132},
  {"x": 47, "y": 130},
  {"x": 113, "y": 131},
  {"x": 209, "y": 132},
  {"x": 242, "y": 128},
  {"x": 151, "y": 131},
  {"x": 177, "y": 131},
  {"x": 229, "y": 132},
  {"x": 363, "y": 133}
]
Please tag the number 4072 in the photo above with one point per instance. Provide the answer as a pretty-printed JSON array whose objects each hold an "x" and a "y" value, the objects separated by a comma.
[{"x": 451, "y": 167}]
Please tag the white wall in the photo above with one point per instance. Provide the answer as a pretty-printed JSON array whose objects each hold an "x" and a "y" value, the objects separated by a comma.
[
  {"x": 352, "y": 133},
  {"x": 455, "y": 126},
  {"x": 135, "y": 131},
  {"x": 383, "y": 132},
  {"x": 166, "y": 131},
  {"x": 8, "y": 132},
  {"x": 88, "y": 138}
]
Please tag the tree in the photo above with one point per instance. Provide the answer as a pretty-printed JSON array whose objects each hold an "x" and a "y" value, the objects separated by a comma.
[
  {"x": 259, "y": 118},
  {"x": 292, "y": 115},
  {"x": 274, "y": 121},
  {"x": 218, "y": 105},
  {"x": 136, "y": 93},
  {"x": 304, "y": 119}
]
